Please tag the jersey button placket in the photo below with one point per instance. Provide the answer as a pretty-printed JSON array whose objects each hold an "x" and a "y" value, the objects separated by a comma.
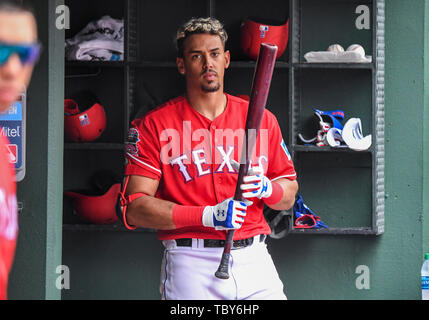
[{"x": 213, "y": 164}]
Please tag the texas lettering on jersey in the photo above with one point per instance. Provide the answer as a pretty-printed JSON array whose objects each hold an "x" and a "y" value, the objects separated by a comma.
[
  {"x": 201, "y": 162},
  {"x": 200, "y": 156}
]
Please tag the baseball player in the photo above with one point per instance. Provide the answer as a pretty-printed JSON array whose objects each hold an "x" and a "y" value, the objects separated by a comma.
[
  {"x": 18, "y": 53},
  {"x": 181, "y": 174}
]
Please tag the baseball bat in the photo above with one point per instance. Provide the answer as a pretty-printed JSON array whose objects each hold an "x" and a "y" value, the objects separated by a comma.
[{"x": 258, "y": 98}]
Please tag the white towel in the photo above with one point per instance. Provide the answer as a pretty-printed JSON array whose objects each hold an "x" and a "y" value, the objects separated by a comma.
[
  {"x": 100, "y": 40},
  {"x": 336, "y": 57}
]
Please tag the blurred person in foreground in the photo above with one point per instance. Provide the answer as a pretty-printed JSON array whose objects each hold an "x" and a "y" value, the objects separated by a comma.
[{"x": 19, "y": 51}]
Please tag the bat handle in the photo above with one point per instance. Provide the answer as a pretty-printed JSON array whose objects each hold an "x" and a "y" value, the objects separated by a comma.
[{"x": 222, "y": 271}]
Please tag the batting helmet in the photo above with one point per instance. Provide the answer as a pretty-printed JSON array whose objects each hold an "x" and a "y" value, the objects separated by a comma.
[
  {"x": 255, "y": 31},
  {"x": 98, "y": 204},
  {"x": 96, "y": 209},
  {"x": 83, "y": 126},
  {"x": 279, "y": 222}
]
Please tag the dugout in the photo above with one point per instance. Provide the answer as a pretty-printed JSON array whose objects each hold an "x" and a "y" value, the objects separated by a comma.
[{"x": 375, "y": 202}]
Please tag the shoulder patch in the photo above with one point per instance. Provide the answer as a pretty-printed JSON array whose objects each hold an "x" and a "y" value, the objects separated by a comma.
[{"x": 132, "y": 140}]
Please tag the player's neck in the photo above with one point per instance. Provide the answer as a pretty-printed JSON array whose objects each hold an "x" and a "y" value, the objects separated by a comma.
[{"x": 210, "y": 105}]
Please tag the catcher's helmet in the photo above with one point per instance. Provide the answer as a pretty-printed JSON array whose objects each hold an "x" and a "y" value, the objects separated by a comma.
[
  {"x": 83, "y": 126},
  {"x": 255, "y": 31}
]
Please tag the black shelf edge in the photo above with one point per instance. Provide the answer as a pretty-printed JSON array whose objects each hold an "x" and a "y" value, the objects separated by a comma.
[
  {"x": 252, "y": 64},
  {"x": 308, "y": 65},
  {"x": 172, "y": 64},
  {"x": 121, "y": 228},
  {"x": 153, "y": 64},
  {"x": 93, "y": 146},
  {"x": 95, "y": 64},
  {"x": 104, "y": 227},
  {"x": 301, "y": 148},
  {"x": 336, "y": 231}
]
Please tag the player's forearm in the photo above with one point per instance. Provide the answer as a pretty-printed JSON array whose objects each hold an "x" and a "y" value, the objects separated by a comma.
[
  {"x": 154, "y": 213},
  {"x": 290, "y": 189},
  {"x": 151, "y": 212}
]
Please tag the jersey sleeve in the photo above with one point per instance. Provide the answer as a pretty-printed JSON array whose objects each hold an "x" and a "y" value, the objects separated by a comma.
[
  {"x": 280, "y": 160},
  {"x": 142, "y": 150}
]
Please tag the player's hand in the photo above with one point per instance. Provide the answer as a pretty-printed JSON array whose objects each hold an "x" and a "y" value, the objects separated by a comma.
[
  {"x": 227, "y": 215},
  {"x": 256, "y": 184}
]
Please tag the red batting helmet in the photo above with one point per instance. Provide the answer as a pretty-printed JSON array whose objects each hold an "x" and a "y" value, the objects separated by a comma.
[
  {"x": 96, "y": 209},
  {"x": 255, "y": 31},
  {"x": 83, "y": 126}
]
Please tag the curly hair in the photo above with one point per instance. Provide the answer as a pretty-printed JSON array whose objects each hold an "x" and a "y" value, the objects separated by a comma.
[{"x": 196, "y": 26}]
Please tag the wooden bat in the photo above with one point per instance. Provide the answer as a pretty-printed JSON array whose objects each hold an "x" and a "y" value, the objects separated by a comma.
[{"x": 258, "y": 98}]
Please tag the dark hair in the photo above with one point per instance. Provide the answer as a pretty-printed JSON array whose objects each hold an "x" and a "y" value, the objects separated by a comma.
[
  {"x": 199, "y": 25},
  {"x": 15, "y": 6}
]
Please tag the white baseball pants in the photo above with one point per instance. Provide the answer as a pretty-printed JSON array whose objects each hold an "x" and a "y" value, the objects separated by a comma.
[{"x": 188, "y": 273}]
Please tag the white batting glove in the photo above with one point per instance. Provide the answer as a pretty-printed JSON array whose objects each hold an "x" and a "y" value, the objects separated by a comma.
[
  {"x": 255, "y": 183},
  {"x": 227, "y": 215}
]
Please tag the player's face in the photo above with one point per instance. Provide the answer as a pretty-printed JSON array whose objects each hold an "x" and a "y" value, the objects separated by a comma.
[
  {"x": 204, "y": 62},
  {"x": 15, "y": 29}
]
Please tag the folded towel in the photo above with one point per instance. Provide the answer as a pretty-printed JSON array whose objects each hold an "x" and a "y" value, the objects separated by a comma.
[
  {"x": 100, "y": 40},
  {"x": 336, "y": 57}
]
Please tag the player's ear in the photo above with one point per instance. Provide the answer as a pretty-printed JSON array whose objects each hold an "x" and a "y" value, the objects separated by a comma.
[
  {"x": 227, "y": 59},
  {"x": 180, "y": 65}
]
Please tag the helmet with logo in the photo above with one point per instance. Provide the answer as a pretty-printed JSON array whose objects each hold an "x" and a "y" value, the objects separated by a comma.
[
  {"x": 83, "y": 126},
  {"x": 255, "y": 31},
  {"x": 99, "y": 204}
]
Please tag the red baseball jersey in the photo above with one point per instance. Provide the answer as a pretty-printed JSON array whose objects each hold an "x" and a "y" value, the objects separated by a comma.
[
  {"x": 191, "y": 156},
  {"x": 8, "y": 216}
]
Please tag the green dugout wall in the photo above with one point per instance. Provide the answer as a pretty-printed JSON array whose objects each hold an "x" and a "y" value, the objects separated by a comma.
[{"x": 108, "y": 265}]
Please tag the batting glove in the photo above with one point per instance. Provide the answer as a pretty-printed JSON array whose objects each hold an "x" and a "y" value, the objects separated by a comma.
[
  {"x": 255, "y": 183},
  {"x": 229, "y": 214}
]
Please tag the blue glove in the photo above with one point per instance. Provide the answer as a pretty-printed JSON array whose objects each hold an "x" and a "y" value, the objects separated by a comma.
[{"x": 227, "y": 215}]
